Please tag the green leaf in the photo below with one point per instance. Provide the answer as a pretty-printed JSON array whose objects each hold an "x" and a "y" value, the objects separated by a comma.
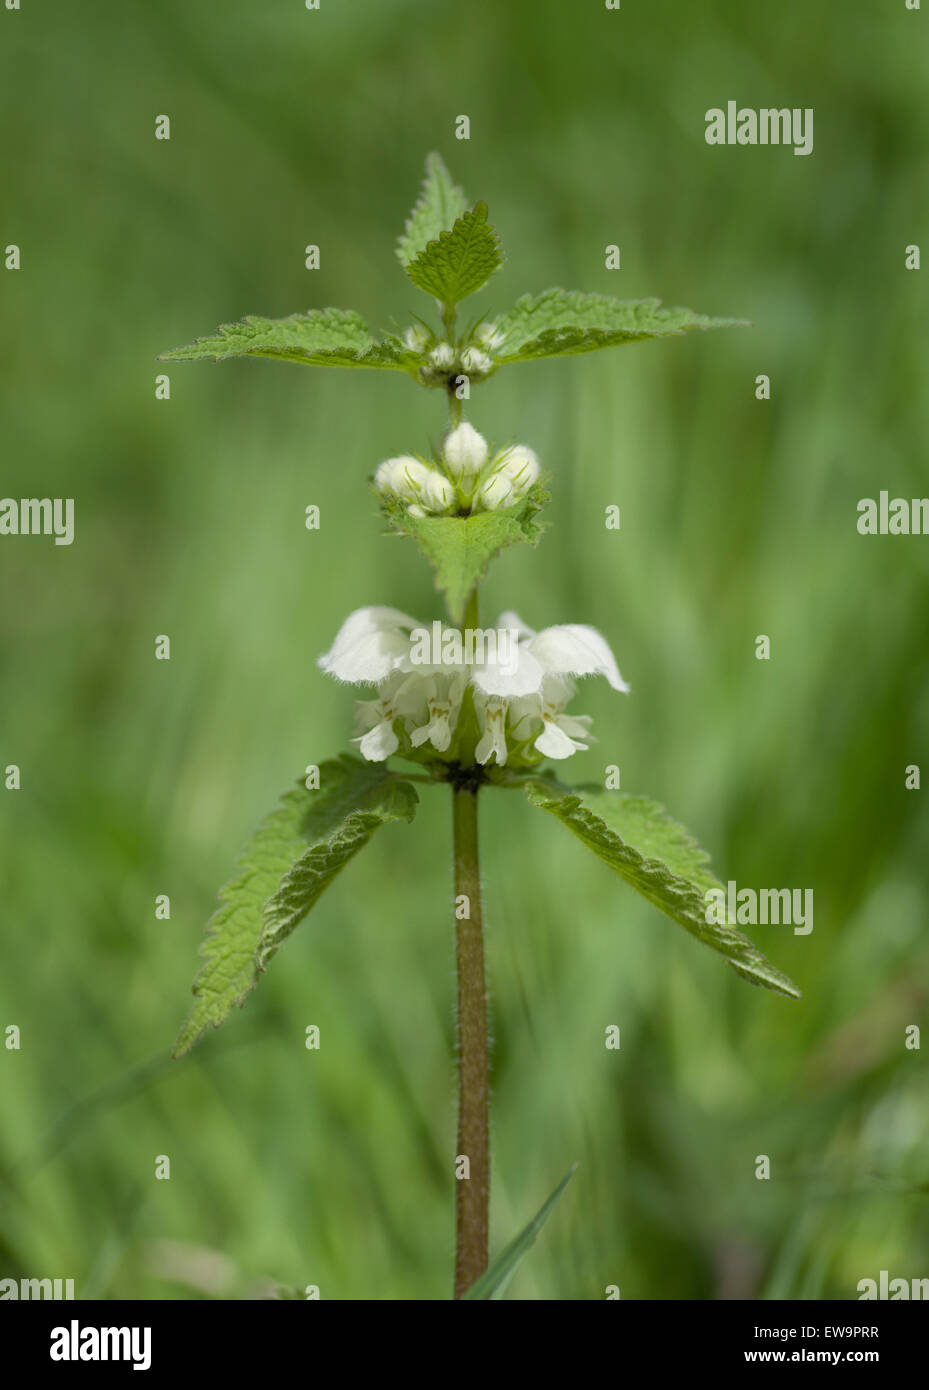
[
  {"x": 438, "y": 207},
  {"x": 493, "y": 1283},
  {"x": 385, "y": 800},
  {"x": 460, "y": 548},
  {"x": 459, "y": 261},
  {"x": 318, "y": 338},
  {"x": 234, "y": 949},
  {"x": 658, "y": 857},
  {"x": 559, "y": 323}
]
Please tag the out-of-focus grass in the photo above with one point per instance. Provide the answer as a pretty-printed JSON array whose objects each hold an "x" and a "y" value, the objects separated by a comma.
[{"x": 143, "y": 777}]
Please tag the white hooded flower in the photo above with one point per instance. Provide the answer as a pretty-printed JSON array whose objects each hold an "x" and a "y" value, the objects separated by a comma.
[
  {"x": 465, "y": 452},
  {"x": 509, "y": 669},
  {"x": 508, "y": 479},
  {"x": 570, "y": 649},
  {"x": 375, "y": 719},
  {"x": 370, "y": 644},
  {"x": 535, "y": 695},
  {"x": 414, "y": 482},
  {"x": 520, "y": 682},
  {"x": 491, "y": 713},
  {"x": 561, "y": 734},
  {"x": 372, "y": 647},
  {"x": 443, "y": 692}
]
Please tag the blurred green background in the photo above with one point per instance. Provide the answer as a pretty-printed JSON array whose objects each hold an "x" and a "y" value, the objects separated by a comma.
[{"x": 739, "y": 517}]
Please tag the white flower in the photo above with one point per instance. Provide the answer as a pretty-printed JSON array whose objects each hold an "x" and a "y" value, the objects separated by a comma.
[
  {"x": 534, "y": 696},
  {"x": 443, "y": 694},
  {"x": 571, "y": 649},
  {"x": 564, "y": 651},
  {"x": 532, "y": 693},
  {"x": 376, "y": 719},
  {"x": 412, "y": 481},
  {"x": 509, "y": 670},
  {"x": 491, "y": 712},
  {"x": 509, "y": 478},
  {"x": 370, "y": 644},
  {"x": 520, "y": 683},
  {"x": 372, "y": 647},
  {"x": 465, "y": 453},
  {"x": 562, "y": 734}
]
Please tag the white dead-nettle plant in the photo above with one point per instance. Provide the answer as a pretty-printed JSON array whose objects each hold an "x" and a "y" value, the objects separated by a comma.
[{"x": 452, "y": 706}]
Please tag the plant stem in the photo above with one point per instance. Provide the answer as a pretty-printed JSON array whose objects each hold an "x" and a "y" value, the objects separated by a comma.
[{"x": 472, "y": 1198}]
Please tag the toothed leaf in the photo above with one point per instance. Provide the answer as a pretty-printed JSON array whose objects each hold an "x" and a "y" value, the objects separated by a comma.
[
  {"x": 639, "y": 840},
  {"x": 386, "y": 799},
  {"x": 335, "y": 821},
  {"x": 559, "y": 323},
  {"x": 459, "y": 261},
  {"x": 318, "y": 338},
  {"x": 438, "y": 207},
  {"x": 460, "y": 548}
]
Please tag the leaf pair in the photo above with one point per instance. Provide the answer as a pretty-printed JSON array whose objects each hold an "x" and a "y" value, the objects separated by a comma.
[
  {"x": 310, "y": 837},
  {"x": 450, "y": 251}
]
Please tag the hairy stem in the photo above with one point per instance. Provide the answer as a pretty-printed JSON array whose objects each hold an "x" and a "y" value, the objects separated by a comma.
[
  {"x": 449, "y": 318},
  {"x": 472, "y": 1198}
]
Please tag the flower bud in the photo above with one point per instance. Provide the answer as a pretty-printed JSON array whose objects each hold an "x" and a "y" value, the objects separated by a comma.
[
  {"x": 416, "y": 339},
  {"x": 489, "y": 338},
  {"x": 412, "y": 481},
  {"x": 442, "y": 355},
  {"x": 465, "y": 454},
  {"x": 510, "y": 478},
  {"x": 475, "y": 363}
]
